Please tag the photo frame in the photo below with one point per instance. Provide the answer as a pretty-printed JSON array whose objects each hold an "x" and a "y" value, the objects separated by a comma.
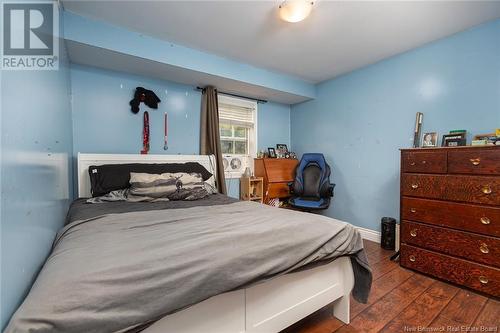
[
  {"x": 271, "y": 152},
  {"x": 454, "y": 140},
  {"x": 281, "y": 149},
  {"x": 430, "y": 139}
]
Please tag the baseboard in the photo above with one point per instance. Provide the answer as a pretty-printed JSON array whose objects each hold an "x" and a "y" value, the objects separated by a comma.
[{"x": 369, "y": 234}]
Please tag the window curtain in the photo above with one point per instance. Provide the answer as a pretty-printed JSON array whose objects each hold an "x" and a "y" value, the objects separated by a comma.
[{"x": 209, "y": 136}]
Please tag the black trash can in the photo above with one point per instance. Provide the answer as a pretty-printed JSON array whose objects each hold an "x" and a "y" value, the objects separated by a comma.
[{"x": 388, "y": 239}]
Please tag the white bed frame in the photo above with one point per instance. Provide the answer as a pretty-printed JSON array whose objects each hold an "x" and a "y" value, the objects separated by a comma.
[
  {"x": 270, "y": 306},
  {"x": 86, "y": 160}
]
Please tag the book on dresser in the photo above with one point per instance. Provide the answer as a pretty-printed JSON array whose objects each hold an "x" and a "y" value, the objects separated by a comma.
[{"x": 450, "y": 215}]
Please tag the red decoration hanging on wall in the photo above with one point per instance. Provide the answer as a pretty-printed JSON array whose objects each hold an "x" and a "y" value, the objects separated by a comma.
[{"x": 145, "y": 133}]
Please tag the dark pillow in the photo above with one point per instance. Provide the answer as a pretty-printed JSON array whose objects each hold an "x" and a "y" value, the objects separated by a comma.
[{"x": 111, "y": 177}]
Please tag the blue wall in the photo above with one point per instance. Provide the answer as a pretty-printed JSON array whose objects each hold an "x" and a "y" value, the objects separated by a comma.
[
  {"x": 103, "y": 123},
  {"x": 36, "y": 149},
  {"x": 273, "y": 122},
  {"x": 360, "y": 120}
]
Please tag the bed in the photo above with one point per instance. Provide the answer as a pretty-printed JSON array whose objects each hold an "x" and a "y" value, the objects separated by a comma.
[{"x": 214, "y": 265}]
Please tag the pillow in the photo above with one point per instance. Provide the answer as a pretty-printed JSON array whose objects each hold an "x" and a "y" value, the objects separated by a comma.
[
  {"x": 111, "y": 177},
  {"x": 173, "y": 186}
]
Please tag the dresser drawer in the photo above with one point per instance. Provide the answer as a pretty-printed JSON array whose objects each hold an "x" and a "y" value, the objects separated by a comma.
[
  {"x": 477, "y": 189},
  {"x": 481, "y": 249},
  {"x": 479, "y": 162},
  {"x": 278, "y": 190},
  {"x": 424, "y": 161},
  {"x": 475, "y": 218},
  {"x": 476, "y": 276}
]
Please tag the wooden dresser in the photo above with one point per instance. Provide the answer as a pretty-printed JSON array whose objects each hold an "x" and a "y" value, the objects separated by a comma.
[
  {"x": 450, "y": 215},
  {"x": 277, "y": 173}
]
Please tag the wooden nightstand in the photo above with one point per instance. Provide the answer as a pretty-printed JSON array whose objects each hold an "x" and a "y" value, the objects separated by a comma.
[{"x": 251, "y": 189}]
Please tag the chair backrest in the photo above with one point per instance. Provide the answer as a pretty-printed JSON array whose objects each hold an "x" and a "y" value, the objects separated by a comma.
[{"x": 312, "y": 176}]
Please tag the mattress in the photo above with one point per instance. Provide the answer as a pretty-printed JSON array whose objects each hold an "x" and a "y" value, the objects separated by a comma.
[{"x": 120, "y": 266}]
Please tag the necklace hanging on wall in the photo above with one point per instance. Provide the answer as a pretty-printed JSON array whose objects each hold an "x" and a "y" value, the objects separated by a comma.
[
  {"x": 145, "y": 133},
  {"x": 165, "y": 142}
]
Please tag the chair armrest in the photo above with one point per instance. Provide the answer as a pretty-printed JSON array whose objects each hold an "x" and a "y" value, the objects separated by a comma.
[{"x": 330, "y": 190}]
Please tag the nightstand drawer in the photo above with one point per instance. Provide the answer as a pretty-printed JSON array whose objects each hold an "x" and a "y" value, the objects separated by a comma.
[
  {"x": 475, "y": 218},
  {"x": 481, "y": 249},
  {"x": 476, "y": 276},
  {"x": 424, "y": 161}
]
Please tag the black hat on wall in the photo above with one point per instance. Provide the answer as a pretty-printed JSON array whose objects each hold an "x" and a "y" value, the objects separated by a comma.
[{"x": 143, "y": 95}]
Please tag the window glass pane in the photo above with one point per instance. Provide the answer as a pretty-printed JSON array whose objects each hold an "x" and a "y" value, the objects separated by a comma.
[
  {"x": 240, "y": 147},
  {"x": 240, "y": 132},
  {"x": 226, "y": 146},
  {"x": 225, "y": 129}
]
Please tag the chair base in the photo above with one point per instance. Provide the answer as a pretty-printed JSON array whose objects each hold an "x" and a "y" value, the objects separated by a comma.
[{"x": 308, "y": 204}]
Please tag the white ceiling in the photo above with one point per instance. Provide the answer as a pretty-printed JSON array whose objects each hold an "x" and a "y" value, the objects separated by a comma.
[{"x": 338, "y": 37}]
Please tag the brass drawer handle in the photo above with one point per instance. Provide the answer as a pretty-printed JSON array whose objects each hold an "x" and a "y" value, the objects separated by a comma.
[
  {"x": 486, "y": 189},
  {"x": 415, "y": 186},
  {"x": 412, "y": 163},
  {"x": 413, "y": 233},
  {"x": 412, "y": 258},
  {"x": 485, "y": 220},
  {"x": 483, "y": 279},
  {"x": 424, "y": 162},
  {"x": 484, "y": 248},
  {"x": 413, "y": 210},
  {"x": 475, "y": 161}
]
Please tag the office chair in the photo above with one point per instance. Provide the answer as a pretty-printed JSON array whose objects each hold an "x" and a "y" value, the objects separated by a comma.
[{"x": 311, "y": 189}]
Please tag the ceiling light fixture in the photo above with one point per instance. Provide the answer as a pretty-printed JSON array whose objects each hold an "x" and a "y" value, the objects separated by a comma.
[{"x": 295, "y": 10}]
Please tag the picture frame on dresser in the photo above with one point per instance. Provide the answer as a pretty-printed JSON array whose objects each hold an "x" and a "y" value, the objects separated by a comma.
[
  {"x": 454, "y": 140},
  {"x": 281, "y": 150},
  {"x": 430, "y": 140},
  {"x": 450, "y": 215}
]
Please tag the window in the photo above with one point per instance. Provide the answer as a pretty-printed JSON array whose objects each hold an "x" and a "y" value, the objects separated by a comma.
[
  {"x": 237, "y": 126},
  {"x": 234, "y": 139}
]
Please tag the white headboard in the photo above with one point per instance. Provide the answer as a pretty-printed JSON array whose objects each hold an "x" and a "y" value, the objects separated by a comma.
[{"x": 86, "y": 160}]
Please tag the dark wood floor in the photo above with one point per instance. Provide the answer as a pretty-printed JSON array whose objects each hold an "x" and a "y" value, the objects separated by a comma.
[{"x": 405, "y": 301}]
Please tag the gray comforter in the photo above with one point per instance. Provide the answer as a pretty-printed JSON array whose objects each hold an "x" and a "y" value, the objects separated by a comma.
[{"x": 120, "y": 271}]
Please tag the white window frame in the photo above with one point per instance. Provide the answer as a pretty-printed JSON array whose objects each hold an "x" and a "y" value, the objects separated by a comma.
[{"x": 252, "y": 133}]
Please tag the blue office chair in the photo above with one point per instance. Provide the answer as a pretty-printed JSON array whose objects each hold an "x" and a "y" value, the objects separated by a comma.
[{"x": 311, "y": 189}]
